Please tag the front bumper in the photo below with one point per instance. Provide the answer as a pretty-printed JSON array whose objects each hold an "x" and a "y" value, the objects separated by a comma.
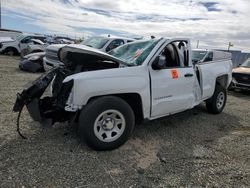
[
  {"x": 46, "y": 110},
  {"x": 30, "y": 66},
  {"x": 237, "y": 85}
]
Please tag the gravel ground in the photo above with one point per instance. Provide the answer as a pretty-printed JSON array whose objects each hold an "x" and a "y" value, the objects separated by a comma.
[{"x": 188, "y": 149}]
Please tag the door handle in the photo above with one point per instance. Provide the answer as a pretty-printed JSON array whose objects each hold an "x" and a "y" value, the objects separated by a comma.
[{"x": 188, "y": 75}]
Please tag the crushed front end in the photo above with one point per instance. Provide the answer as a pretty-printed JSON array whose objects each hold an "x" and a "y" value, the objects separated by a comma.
[
  {"x": 54, "y": 108},
  {"x": 46, "y": 110}
]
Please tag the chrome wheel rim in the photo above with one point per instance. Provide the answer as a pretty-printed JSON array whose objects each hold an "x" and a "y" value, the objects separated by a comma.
[
  {"x": 220, "y": 100},
  {"x": 109, "y": 125}
]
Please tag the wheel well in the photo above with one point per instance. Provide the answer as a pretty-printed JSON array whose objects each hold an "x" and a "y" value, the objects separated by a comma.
[
  {"x": 134, "y": 101},
  {"x": 11, "y": 48},
  {"x": 222, "y": 80}
]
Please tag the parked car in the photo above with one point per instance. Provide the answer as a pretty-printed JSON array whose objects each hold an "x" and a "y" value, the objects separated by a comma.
[
  {"x": 15, "y": 46},
  {"x": 34, "y": 46},
  {"x": 108, "y": 93},
  {"x": 32, "y": 62},
  {"x": 59, "y": 40},
  {"x": 104, "y": 44},
  {"x": 9, "y": 33},
  {"x": 241, "y": 76},
  {"x": 206, "y": 55}
]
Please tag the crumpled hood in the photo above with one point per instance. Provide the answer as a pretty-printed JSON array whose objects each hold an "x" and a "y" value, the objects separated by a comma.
[
  {"x": 34, "y": 54},
  {"x": 55, "y": 47},
  {"x": 244, "y": 70},
  {"x": 86, "y": 52}
]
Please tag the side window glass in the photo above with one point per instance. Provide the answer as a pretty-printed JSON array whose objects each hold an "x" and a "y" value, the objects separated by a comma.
[
  {"x": 26, "y": 40},
  {"x": 114, "y": 44},
  {"x": 209, "y": 57},
  {"x": 175, "y": 54}
]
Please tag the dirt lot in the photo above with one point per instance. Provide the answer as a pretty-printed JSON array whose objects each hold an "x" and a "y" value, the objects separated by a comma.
[{"x": 192, "y": 148}]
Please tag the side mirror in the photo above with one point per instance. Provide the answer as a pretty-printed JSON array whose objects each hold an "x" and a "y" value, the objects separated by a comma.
[{"x": 159, "y": 63}]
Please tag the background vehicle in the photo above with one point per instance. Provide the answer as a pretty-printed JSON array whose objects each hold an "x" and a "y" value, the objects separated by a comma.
[
  {"x": 241, "y": 76},
  {"x": 104, "y": 44},
  {"x": 32, "y": 62},
  {"x": 107, "y": 94},
  {"x": 206, "y": 55},
  {"x": 34, "y": 46},
  {"x": 61, "y": 40},
  {"x": 18, "y": 44}
]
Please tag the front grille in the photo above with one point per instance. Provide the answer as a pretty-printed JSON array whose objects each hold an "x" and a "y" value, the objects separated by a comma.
[
  {"x": 242, "y": 78},
  {"x": 51, "y": 55}
]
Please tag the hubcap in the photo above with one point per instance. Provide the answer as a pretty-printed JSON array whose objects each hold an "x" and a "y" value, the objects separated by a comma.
[
  {"x": 220, "y": 100},
  {"x": 109, "y": 125}
]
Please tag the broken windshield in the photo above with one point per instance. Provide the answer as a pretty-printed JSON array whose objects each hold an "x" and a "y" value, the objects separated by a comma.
[
  {"x": 134, "y": 53},
  {"x": 95, "y": 42}
]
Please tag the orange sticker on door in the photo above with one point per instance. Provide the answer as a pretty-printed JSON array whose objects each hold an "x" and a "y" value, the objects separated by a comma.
[{"x": 174, "y": 74}]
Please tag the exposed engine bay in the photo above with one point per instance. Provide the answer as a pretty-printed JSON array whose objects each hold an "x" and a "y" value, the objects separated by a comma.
[{"x": 48, "y": 110}]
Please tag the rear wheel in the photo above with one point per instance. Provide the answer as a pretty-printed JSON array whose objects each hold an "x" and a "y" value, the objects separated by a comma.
[
  {"x": 217, "y": 102},
  {"x": 106, "y": 123}
]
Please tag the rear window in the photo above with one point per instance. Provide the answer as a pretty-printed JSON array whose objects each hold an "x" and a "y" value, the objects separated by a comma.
[{"x": 198, "y": 56}]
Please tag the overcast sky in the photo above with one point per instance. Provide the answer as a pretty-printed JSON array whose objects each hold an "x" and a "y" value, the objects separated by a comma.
[{"x": 213, "y": 22}]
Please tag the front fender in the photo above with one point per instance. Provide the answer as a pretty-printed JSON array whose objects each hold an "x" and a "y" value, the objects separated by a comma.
[{"x": 108, "y": 82}]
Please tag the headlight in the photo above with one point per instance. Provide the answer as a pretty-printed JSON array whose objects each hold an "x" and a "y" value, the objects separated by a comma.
[{"x": 34, "y": 58}]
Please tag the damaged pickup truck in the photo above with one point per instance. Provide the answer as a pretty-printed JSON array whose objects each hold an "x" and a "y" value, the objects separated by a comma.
[{"x": 107, "y": 94}]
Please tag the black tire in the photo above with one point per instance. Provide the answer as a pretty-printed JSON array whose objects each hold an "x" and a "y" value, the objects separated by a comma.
[
  {"x": 214, "y": 104},
  {"x": 11, "y": 51},
  {"x": 89, "y": 115}
]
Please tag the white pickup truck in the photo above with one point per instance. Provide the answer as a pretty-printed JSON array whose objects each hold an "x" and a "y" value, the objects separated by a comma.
[{"x": 107, "y": 94}]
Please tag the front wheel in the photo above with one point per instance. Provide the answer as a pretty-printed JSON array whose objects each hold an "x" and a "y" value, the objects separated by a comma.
[
  {"x": 11, "y": 51},
  {"x": 217, "y": 102},
  {"x": 106, "y": 123}
]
